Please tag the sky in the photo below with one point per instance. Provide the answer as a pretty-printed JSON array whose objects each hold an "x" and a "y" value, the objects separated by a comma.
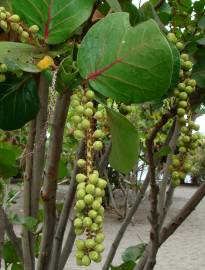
[{"x": 200, "y": 120}]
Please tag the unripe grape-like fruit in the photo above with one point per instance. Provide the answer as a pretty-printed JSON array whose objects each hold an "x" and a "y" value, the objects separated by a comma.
[
  {"x": 80, "y": 244},
  {"x": 20, "y": 29},
  {"x": 80, "y": 194},
  {"x": 94, "y": 227},
  {"x": 192, "y": 83},
  {"x": 176, "y": 182},
  {"x": 187, "y": 166},
  {"x": 34, "y": 29},
  {"x": 88, "y": 199},
  {"x": 78, "y": 223},
  {"x": 183, "y": 104},
  {"x": 101, "y": 211},
  {"x": 93, "y": 178},
  {"x": 89, "y": 105},
  {"x": 98, "y": 134},
  {"x": 181, "y": 86},
  {"x": 186, "y": 139},
  {"x": 15, "y": 18},
  {"x": 81, "y": 163},
  {"x": 86, "y": 260},
  {"x": 181, "y": 112},
  {"x": 4, "y": 25},
  {"x": 79, "y": 231},
  {"x": 81, "y": 186},
  {"x": 78, "y": 134},
  {"x": 14, "y": 27},
  {"x": 93, "y": 255},
  {"x": 2, "y": 15},
  {"x": 90, "y": 94},
  {"x": 99, "y": 248},
  {"x": 183, "y": 95},
  {"x": 87, "y": 222},
  {"x": 184, "y": 56},
  {"x": 98, "y": 192},
  {"x": 179, "y": 45},
  {"x": 171, "y": 37},
  {"x": 99, "y": 220},
  {"x": 76, "y": 119},
  {"x": 88, "y": 112},
  {"x": 97, "y": 145},
  {"x": 90, "y": 189},
  {"x": 100, "y": 237},
  {"x": 184, "y": 130},
  {"x": 79, "y": 254},
  {"x": 176, "y": 162},
  {"x": 79, "y": 109},
  {"x": 80, "y": 205},
  {"x": 196, "y": 127},
  {"x": 2, "y": 78},
  {"x": 74, "y": 103},
  {"x": 102, "y": 183},
  {"x": 85, "y": 124},
  {"x": 92, "y": 214},
  {"x": 25, "y": 35},
  {"x": 188, "y": 65},
  {"x": 98, "y": 115},
  {"x": 90, "y": 243},
  {"x": 96, "y": 205},
  {"x": 182, "y": 120},
  {"x": 80, "y": 177},
  {"x": 176, "y": 92},
  {"x": 182, "y": 150},
  {"x": 99, "y": 199},
  {"x": 189, "y": 89}
]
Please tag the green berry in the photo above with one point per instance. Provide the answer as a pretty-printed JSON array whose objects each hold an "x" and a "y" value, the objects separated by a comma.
[
  {"x": 89, "y": 105},
  {"x": 188, "y": 65},
  {"x": 175, "y": 175},
  {"x": 14, "y": 18},
  {"x": 181, "y": 86},
  {"x": 94, "y": 256},
  {"x": 183, "y": 104},
  {"x": 176, "y": 92},
  {"x": 4, "y": 25},
  {"x": 184, "y": 56},
  {"x": 181, "y": 112},
  {"x": 79, "y": 231},
  {"x": 80, "y": 205},
  {"x": 90, "y": 94},
  {"x": 81, "y": 163},
  {"x": 79, "y": 109},
  {"x": 90, "y": 189},
  {"x": 96, "y": 205},
  {"x": 78, "y": 223},
  {"x": 25, "y": 35},
  {"x": 93, "y": 178},
  {"x": 86, "y": 260},
  {"x": 102, "y": 183},
  {"x": 80, "y": 177},
  {"x": 186, "y": 139},
  {"x": 182, "y": 150},
  {"x": 2, "y": 15},
  {"x": 87, "y": 222},
  {"x": 184, "y": 130},
  {"x": 101, "y": 211},
  {"x": 92, "y": 214},
  {"x": 79, "y": 134},
  {"x": 90, "y": 243},
  {"x": 34, "y": 29},
  {"x": 98, "y": 220},
  {"x": 98, "y": 192},
  {"x": 81, "y": 186},
  {"x": 98, "y": 145},
  {"x": 88, "y": 199},
  {"x": 79, "y": 254},
  {"x": 183, "y": 95},
  {"x": 192, "y": 83},
  {"x": 98, "y": 134},
  {"x": 179, "y": 45},
  {"x": 98, "y": 115},
  {"x": 85, "y": 124},
  {"x": 94, "y": 227},
  {"x": 196, "y": 127},
  {"x": 88, "y": 112},
  {"x": 80, "y": 244},
  {"x": 80, "y": 194},
  {"x": 100, "y": 237},
  {"x": 175, "y": 162},
  {"x": 189, "y": 89},
  {"x": 99, "y": 248},
  {"x": 171, "y": 37}
]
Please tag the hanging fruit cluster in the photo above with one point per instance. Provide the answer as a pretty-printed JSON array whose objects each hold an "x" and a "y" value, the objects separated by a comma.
[
  {"x": 87, "y": 123},
  {"x": 187, "y": 141}
]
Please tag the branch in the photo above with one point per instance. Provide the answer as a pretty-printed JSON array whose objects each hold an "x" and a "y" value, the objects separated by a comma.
[
  {"x": 2, "y": 233},
  {"x": 26, "y": 235},
  {"x": 126, "y": 222},
  {"x": 104, "y": 159},
  {"x": 50, "y": 179},
  {"x": 58, "y": 239}
]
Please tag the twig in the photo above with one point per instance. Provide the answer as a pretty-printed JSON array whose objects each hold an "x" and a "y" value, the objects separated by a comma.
[{"x": 50, "y": 179}]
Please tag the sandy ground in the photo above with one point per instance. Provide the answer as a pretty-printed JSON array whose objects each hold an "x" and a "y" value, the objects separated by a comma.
[{"x": 185, "y": 250}]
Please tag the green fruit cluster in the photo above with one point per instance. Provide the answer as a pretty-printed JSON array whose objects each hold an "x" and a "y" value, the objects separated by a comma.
[
  {"x": 89, "y": 216},
  {"x": 3, "y": 70},
  {"x": 87, "y": 120},
  {"x": 12, "y": 22},
  {"x": 187, "y": 141}
]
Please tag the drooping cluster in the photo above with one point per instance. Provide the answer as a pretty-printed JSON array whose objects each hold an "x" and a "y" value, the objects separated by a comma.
[
  {"x": 187, "y": 141},
  {"x": 12, "y": 22},
  {"x": 87, "y": 121}
]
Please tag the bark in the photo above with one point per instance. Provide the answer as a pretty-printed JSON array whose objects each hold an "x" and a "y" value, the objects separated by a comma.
[
  {"x": 126, "y": 222},
  {"x": 67, "y": 249},
  {"x": 2, "y": 233},
  {"x": 26, "y": 235},
  {"x": 58, "y": 239},
  {"x": 50, "y": 179}
]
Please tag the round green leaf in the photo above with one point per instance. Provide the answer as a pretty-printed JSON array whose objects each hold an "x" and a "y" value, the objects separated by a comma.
[
  {"x": 125, "y": 63},
  {"x": 57, "y": 19},
  {"x": 19, "y": 103}
]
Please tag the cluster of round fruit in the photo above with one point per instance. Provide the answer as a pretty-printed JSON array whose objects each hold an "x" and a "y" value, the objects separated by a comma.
[
  {"x": 13, "y": 22},
  {"x": 89, "y": 216},
  {"x": 84, "y": 114},
  {"x": 3, "y": 70}
]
